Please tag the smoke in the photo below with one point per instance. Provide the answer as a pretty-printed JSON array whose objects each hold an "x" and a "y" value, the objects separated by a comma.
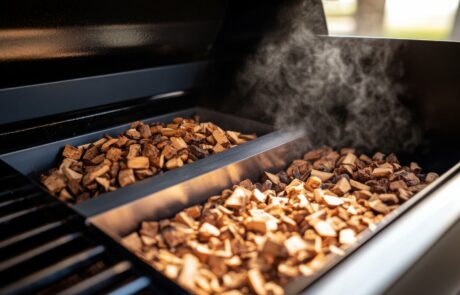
[{"x": 341, "y": 92}]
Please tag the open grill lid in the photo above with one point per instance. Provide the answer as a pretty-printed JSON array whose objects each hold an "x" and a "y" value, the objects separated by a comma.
[{"x": 89, "y": 47}]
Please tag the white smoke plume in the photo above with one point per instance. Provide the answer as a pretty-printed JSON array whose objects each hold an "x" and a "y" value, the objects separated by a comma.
[{"x": 341, "y": 92}]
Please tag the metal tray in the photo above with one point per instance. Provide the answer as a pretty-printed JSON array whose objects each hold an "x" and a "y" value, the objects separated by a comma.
[
  {"x": 125, "y": 219},
  {"x": 33, "y": 161}
]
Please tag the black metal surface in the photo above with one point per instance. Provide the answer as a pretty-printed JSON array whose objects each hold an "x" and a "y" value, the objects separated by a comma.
[
  {"x": 20, "y": 135},
  {"x": 48, "y": 40},
  {"x": 76, "y": 40},
  {"x": 34, "y": 101},
  {"x": 53, "y": 251}
]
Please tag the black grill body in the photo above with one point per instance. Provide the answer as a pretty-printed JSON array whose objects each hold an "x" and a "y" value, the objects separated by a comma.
[{"x": 72, "y": 72}]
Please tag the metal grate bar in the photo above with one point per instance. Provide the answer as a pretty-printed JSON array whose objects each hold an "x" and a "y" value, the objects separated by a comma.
[
  {"x": 132, "y": 287},
  {"x": 31, "y": 233},
  {"x": 15, "y": 215},
  {"x": 53, "y": 273},
  {"x": 98, "y": 281},
  {"x": 21, "y": 199},
  {"x": 38, "y": 251}
]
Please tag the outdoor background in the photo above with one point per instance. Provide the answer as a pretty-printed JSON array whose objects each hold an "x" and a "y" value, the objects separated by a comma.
[{"x": 408, "y": 19}]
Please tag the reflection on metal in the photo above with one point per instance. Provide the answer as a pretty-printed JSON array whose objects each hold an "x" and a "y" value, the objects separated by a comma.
[
  {"x": 45, "y": 43},
  {"x": 269, "y": 153}
]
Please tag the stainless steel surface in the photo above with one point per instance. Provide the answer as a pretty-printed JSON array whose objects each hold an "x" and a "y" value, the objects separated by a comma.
[
  {"x": 125, "y": 219},
  {"x": 437, "y": 271},
  {"x": 33, "y": 161},
  {"x": 271, "y": 153},
  {"x": 386, "y": 257}
]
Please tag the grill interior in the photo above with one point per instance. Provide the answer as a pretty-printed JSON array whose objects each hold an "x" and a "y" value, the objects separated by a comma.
[{"x": 45, "y": 247}]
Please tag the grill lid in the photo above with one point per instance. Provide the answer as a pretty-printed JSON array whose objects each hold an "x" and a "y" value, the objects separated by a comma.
[{"x": 108, "y": 52}]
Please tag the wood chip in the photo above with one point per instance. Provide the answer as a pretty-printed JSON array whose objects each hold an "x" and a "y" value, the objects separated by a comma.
[
  {"x": 126, "y": 177},
  {"x": 237, "y": 199},
  {"x": 313, "y": 183},
  {"x": 258, "y": 236},
  {"x": 379, "y": 206},
  {"x": 347, "y": 236},
  {"x": 341, "y": 187},
  {"x": 208, "y": 230},
  {"x": 324, "y": 229},
  {"x": 149, "y": 228},
  {"x": 174, "y": 163},
  {"x": 382, "y": 172},
  {"x": 324, "y": 176},
  {"x": 149, "y": 149},
  {"x": 389, "y": 198},
  {"x": 72, "y": 152},
  {"x": 356, "y": 185},
  {"x": 395, "y": 185},
  {"x": 295, "y": 244},
  {"x": 273, "y": 178},
  {"x": 257, "y": 282},
  {"x": 430, "y": 177},
  {"x": 349, "y": 159},
  {"x": 220, "y": 138},
  {"x": 332, "y": 201},
  {"x": 72, "y": 175},
  {"x": 189, "y": 271},
  {"x": 133, "y": 242},
  {"x": 138, "y": 163}
]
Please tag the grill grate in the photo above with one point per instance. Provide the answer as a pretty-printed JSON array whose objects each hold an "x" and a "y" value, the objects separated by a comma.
[{"x": 46, "y": 248}]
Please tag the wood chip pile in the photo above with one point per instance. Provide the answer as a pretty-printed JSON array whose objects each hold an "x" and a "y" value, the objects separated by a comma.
[
  {"x": 256, "y": 237},
  {"x": 142, "y": 151}
]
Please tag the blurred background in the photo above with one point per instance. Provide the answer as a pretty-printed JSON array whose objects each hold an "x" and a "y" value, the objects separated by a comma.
[{"x": 411, "y": 19}]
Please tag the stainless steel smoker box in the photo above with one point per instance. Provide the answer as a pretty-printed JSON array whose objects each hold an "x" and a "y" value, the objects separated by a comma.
[{"x": 125, "y": 219}]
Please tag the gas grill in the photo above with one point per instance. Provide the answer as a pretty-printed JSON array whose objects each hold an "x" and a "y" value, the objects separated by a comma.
[{"x": 80, "y": 73}]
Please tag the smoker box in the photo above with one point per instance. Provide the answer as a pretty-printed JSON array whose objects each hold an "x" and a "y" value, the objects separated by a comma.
[
  {"x": 113, "y": 78},
  {"x": 36, "y": 160}
]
